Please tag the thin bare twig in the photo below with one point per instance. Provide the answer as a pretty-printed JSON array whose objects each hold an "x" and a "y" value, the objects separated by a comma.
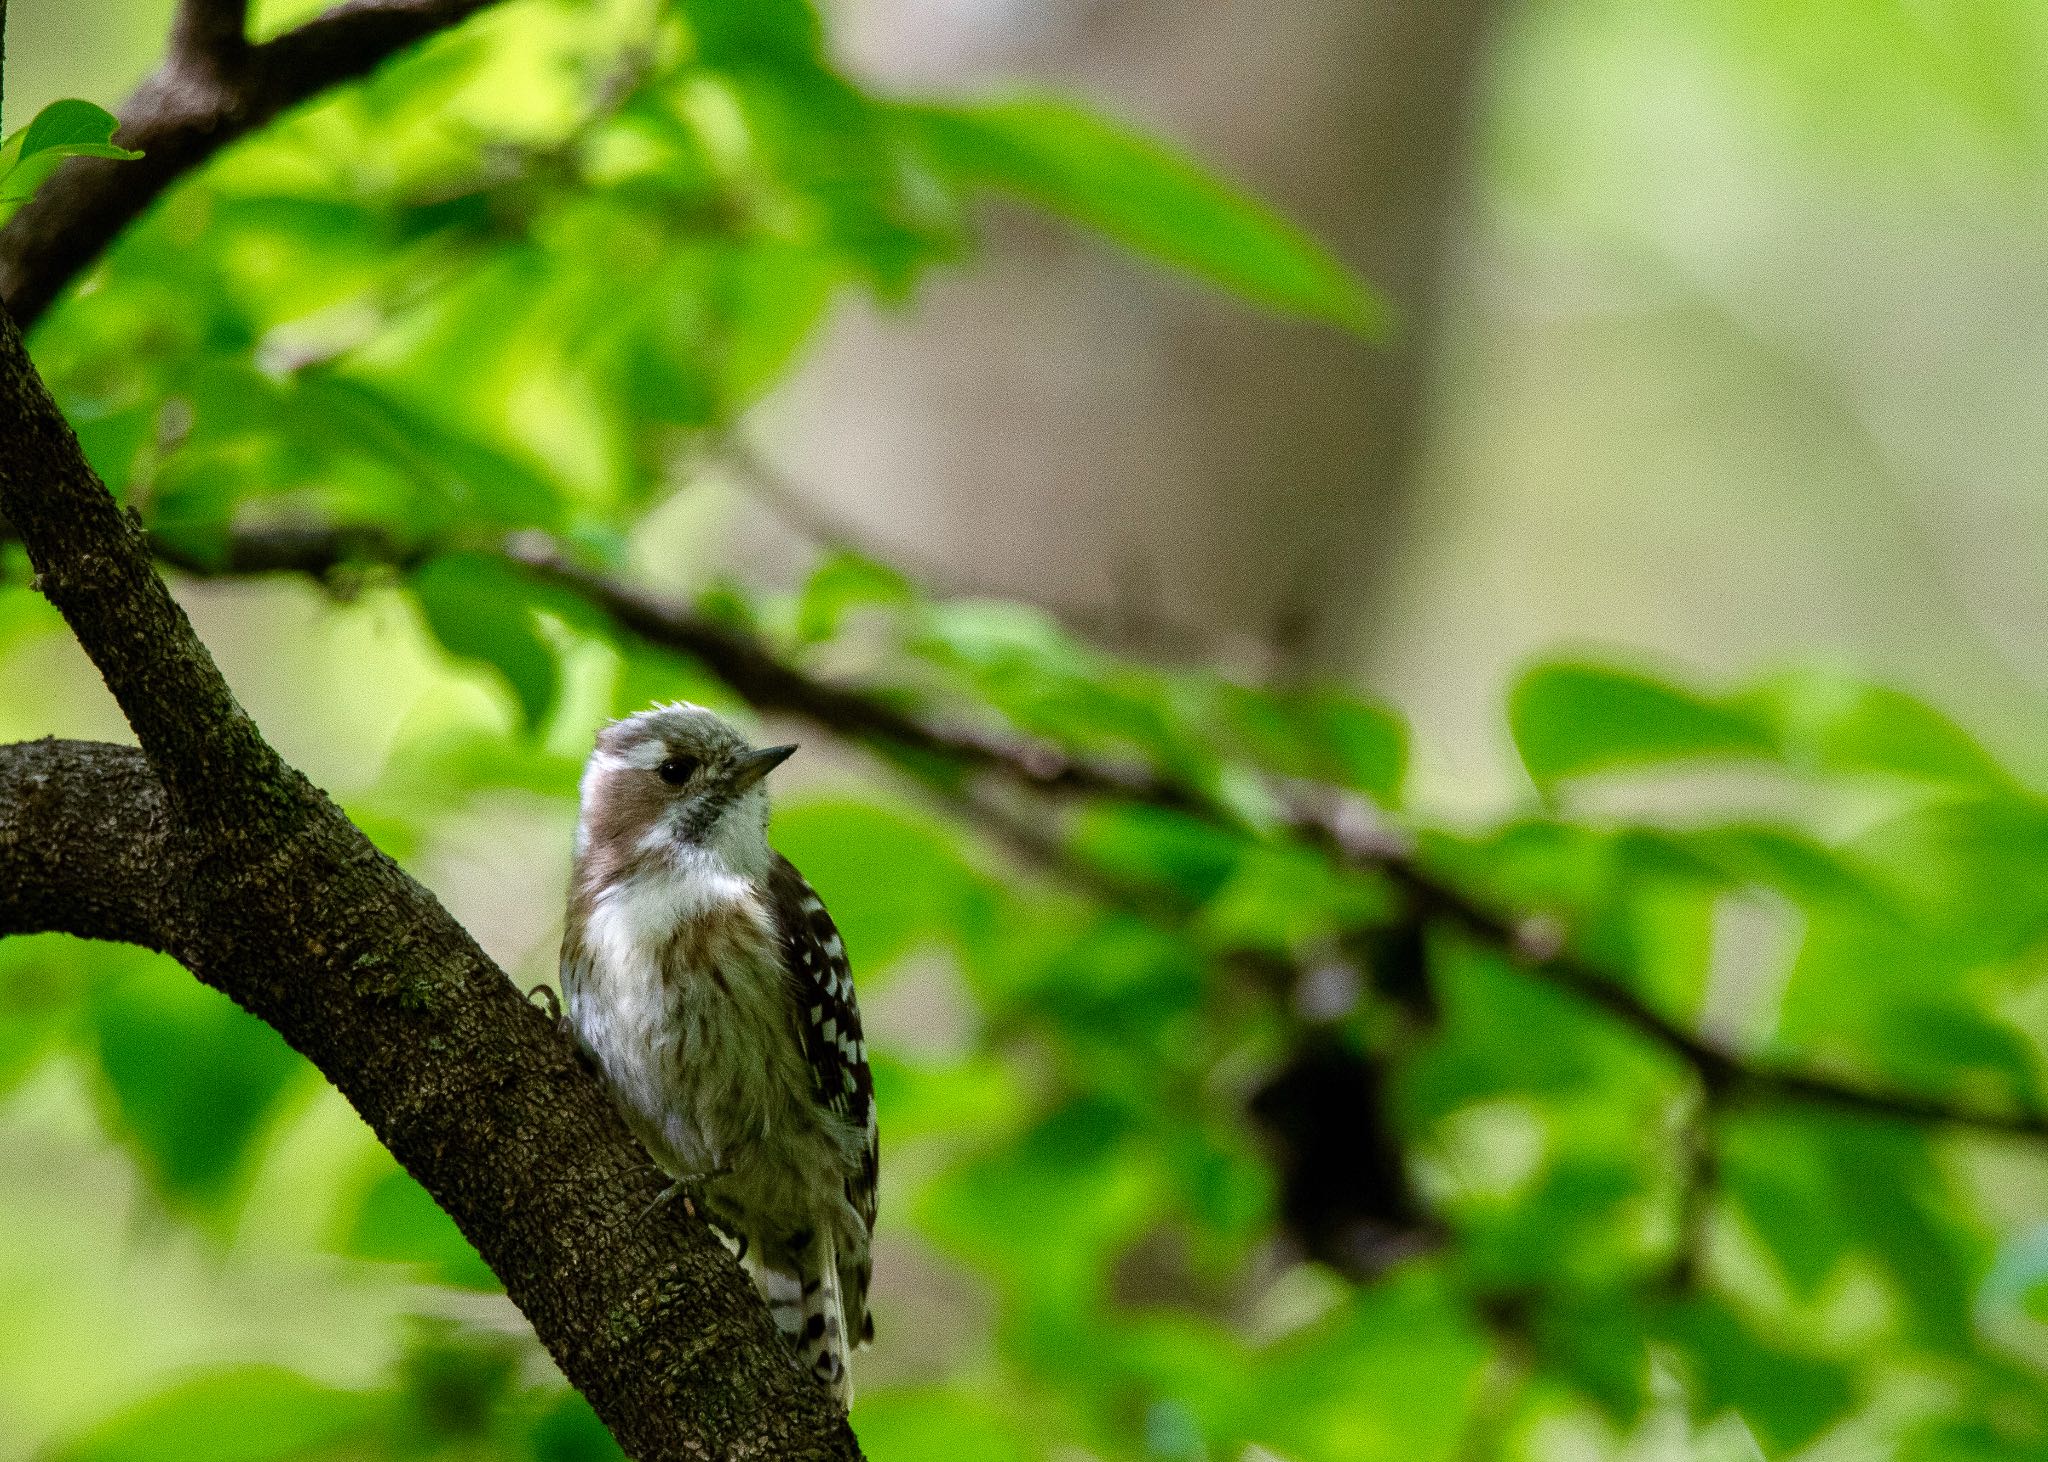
[{"x": 1699, "y": 1179}]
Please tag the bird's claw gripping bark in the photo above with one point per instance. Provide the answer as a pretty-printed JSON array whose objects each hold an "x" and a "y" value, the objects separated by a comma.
[
  {"x": 688, "y": 1189},
  {"x": 544, "y": 996}
]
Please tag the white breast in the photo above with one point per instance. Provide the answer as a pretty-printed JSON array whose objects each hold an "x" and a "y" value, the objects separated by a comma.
[{"x": 680, "y": 1000}]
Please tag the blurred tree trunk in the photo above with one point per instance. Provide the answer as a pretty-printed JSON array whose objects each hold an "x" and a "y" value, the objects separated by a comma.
[{"x": 1068, "y": 425}]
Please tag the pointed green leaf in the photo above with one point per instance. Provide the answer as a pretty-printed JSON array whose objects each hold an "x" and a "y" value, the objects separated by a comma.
[
  {"x": 73, "y": 127},
  {"x": 1319, "y": 733},
  {"x": 1571, "y": 719},
  {"x": 1836, "y": 723},
  {"x": 66, "y": 128},
  {"x": 1071, "y": 161},
  {"x": 477, "y": 607}
]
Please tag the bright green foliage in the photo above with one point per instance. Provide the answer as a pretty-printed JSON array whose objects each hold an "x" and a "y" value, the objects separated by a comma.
[
  {"x": 509, "y": 280},
  {"x": 477, "y": 608},
  {"x": 530, "y": 276},
  {"x": 247, "y": 1415},
  {"x": 1853, "y": 74}
]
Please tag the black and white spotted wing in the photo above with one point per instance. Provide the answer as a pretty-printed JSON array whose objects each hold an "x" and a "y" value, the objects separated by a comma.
[{"x": 830, "y": 1016}]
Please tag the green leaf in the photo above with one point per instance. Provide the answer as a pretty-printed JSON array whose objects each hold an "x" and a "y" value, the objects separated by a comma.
[
  {"x": 1151, "y": 843},
  {"x": 69, "y": 127},
  {"x": 927, "y": 1424},
  {"x": 1973, "y": 868},
  {"x": 1839, "y": 724},
  {"x": 648, "y": 676},
  {"x": 1570, "y": 1226},
  {"x": 1404, "y": 1336},
  {"x": 190, "y": 1076},
  {"x": 780, "y": 33},
  {"x": 1102, "y": 175},
  {"x": 1594, "y": 1339},
  {"x": 1773, "y": 1172},
  {"x": 843, "y": 583},
  {"x": 43, "y": 978},
  {"x": 75, "y": 128},
  {"x": 1978, "y": 1438},
  {"x": 249, "y": 1414},
  {"x": 1282, "y": 898},
  {"x": 1320, "y": 734},
  {"x": 478, "y": 608},
  {"x": 1785, "y": 860},
  {"x": 1817, "y": 1188},
  {"x": 458, "y": 466},
  {"x": 1072, "y": 1190},
  {"x": 920, "y": 1099},
  {"x": 1932, "y": 1045},
  {"x": 569, "y": 1431},
  {"x": 66, "y": 128},
  {"x": 1789, "y": 1396},
  {"x": 1572, "y": 719},
  {"x": 396, "y": 1221}
]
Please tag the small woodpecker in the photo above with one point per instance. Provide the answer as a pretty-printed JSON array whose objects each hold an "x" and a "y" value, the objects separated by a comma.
[{"x": 708, "y": 985}]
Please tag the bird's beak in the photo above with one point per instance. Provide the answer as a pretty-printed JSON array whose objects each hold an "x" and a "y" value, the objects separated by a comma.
[{"x": 755, "y": 765}]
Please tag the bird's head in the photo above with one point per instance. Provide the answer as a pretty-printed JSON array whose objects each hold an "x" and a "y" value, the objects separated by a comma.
[{"x": 675, "y": 784}]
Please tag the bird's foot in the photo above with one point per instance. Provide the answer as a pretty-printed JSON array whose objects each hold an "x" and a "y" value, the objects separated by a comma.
[
  {"x": 544, "y": 996},
  {"x": 678, "y": 1189},
  {"x": 688, "y": 1189}
]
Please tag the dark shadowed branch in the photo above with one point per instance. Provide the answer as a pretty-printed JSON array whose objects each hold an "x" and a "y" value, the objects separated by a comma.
[{"x": 210, "y": 35}]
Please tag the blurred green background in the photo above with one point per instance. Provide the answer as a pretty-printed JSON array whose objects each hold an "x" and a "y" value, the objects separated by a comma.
[{"x": 1693, "y": 399}]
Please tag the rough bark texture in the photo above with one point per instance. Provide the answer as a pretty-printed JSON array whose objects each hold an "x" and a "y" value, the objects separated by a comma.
[
  {"x": 212, "y": 89},
  {"x": 207, "y": 846}
]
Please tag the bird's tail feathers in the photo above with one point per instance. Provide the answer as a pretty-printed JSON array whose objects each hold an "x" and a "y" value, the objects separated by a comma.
[{"x": 809, "y": 1310}]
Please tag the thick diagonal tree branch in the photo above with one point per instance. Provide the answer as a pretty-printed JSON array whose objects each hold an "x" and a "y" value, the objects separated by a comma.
[
  {"x": 206, "y": 845},
  {"x": 86, "y": 845},
  {"x": 771, "y": 684},
  {"x": 211, "y": 89}
]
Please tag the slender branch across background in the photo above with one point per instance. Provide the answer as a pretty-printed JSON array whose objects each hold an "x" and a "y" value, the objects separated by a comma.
[{"x": 773, "y": 685}]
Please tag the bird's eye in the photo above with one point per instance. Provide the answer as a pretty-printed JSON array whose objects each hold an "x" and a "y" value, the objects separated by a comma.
[{"x": 678, "y": 770}]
